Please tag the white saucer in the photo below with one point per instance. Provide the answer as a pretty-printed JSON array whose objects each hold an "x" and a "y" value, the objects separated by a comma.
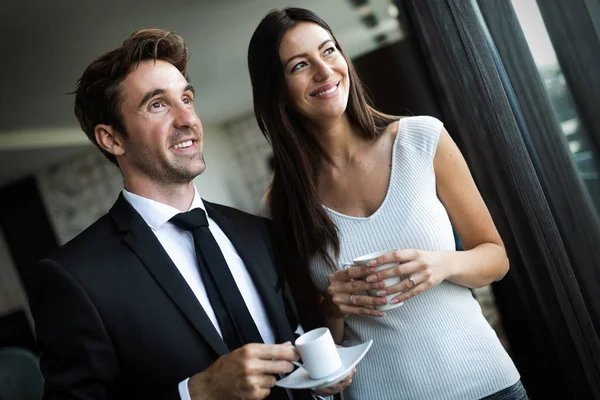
[{"x": 299, "y": 379}]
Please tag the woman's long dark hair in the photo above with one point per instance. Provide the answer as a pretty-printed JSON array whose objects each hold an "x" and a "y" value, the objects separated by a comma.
[{"x": 302, "y": 226}]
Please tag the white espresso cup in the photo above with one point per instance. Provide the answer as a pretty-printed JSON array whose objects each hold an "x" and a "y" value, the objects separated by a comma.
[
  {"x": 363, "y": 260},
  {"x": 318, "y": 353}
]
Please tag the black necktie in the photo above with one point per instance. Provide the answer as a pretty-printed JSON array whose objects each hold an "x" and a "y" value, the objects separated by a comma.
[{"x": 236, "y": 323}]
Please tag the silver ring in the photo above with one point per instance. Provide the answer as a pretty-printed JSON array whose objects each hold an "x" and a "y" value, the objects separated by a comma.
[
  {"x": 410, "y": 278},
  {"x": 351, "y": 297}
]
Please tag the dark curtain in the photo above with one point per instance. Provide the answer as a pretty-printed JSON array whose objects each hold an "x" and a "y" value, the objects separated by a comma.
[
  {"x": 551, "y": 332},
  {"x": 593, "y": 8},
  {"x": 573, "y": 28},
  {"x": 573, "y": 207}
]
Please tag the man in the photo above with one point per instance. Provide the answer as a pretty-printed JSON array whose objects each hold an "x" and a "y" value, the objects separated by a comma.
[{"x": 134, "y": 307}]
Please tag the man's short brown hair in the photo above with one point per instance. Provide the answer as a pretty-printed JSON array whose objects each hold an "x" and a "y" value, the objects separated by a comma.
[{"x": 98, "y": 93}]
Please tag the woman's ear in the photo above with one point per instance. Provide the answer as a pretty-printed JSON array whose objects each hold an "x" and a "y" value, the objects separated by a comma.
[{"x": 109, "y": 139}]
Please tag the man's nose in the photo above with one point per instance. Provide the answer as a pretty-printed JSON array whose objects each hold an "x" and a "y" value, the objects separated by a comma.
[{"x": 186, "y": 116}]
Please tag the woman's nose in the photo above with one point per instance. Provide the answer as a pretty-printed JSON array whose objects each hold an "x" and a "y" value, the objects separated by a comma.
[{"x": 323, "y": 71}]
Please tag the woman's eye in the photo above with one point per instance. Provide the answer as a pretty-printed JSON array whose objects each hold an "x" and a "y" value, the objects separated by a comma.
[
  {"x": 298, "y": 66},
  {"x": 329, "y": 51}
]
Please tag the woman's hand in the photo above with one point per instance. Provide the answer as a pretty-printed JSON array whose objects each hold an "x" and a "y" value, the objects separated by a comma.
[
  {"x": 423, "y": 270},
  {"x": 338, "y": 387},
  {"x": 345, "y": 293}
]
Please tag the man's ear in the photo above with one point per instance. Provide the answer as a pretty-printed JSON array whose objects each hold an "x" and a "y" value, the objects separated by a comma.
[{"x": 109, "y": 139}]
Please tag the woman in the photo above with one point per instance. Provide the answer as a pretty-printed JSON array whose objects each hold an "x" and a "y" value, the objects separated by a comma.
[{"x": 348, "y": 181}]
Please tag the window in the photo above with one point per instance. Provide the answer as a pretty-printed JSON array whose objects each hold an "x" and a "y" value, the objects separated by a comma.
[{"x": 559, "y": 94}]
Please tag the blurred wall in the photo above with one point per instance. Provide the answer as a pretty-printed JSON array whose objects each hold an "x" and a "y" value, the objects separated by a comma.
[
  {"x": 224, "y": 180},
  {"x": 397, "y": 80},
  {"x": 12, "y": 297}
]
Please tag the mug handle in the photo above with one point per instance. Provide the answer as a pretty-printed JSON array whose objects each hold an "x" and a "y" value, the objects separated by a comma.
[{"x": 296, "y": 363}]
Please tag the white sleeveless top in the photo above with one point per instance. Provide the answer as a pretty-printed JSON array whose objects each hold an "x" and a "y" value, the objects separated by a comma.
[{"x": 437, "y": 345}]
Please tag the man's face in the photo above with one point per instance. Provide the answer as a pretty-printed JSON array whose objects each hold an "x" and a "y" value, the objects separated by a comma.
[{"x": 164, "y": 134}]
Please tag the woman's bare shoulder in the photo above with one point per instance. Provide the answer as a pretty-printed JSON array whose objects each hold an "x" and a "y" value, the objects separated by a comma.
[{"x": 392, "y": 129}]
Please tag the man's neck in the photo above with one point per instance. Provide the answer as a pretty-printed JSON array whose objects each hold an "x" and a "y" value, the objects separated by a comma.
[{"x": 179, "y": 196}]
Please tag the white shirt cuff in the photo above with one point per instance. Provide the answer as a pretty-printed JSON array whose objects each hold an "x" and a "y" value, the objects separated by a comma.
[{"x": 184, "y": 392}]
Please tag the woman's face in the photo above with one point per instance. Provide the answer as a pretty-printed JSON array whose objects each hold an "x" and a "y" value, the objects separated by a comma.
[{"x": 315, "y": 71}]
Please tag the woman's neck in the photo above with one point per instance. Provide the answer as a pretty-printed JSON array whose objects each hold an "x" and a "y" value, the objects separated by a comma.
[{"x": 341, "y": 141}]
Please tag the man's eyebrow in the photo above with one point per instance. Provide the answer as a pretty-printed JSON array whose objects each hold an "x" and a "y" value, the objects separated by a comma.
[
  {"x": 151, "y": 94},
  {"x": 304, "y": 54},
  {"x": 190, "y": 88},
  {"x": 154, "y": 92}
]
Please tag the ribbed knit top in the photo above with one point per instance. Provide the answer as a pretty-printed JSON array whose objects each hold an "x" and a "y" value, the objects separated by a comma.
[{"x": 437, "y": 345}]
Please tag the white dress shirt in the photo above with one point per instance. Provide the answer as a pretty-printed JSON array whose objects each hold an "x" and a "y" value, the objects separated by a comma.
[{"x": 179, "y": 245}]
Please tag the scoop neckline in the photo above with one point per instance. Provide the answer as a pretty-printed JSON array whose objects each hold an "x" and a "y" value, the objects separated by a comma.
[{"x": 387, "y": 193}]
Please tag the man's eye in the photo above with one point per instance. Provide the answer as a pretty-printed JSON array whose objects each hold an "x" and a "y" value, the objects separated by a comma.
[
  {"x": 188, "y": 100},
  {"x": 156, "y": 104}
]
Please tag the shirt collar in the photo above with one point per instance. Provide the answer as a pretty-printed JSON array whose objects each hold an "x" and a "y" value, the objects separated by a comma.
[{"x": 156, "y": 214}]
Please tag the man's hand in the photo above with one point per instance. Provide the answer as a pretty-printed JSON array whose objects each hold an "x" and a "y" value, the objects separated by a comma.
[{"x": 246, "y": 373}]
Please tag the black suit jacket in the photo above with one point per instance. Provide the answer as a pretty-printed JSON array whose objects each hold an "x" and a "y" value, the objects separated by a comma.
[{"x": 116, "y": 320}]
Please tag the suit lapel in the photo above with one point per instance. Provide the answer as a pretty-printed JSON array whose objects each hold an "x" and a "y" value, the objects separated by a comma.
[
  {"x": 146, "y": 246},
  {"x": 258, "y": 263}
]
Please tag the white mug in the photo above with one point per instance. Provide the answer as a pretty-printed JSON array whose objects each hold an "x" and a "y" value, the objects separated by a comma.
[
  {"x": 363, "y": 260},
  {"x": 318, "y": 353}
]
